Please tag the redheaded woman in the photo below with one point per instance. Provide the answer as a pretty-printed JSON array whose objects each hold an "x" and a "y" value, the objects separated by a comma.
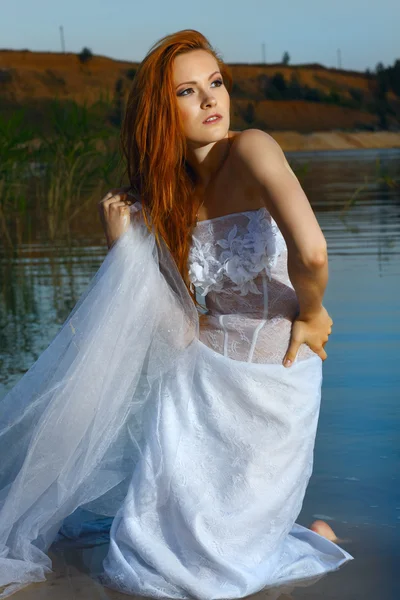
[{"x": 185, "y": 428}]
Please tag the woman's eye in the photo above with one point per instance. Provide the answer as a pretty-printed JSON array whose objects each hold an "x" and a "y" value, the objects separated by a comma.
[{"x": 187, "y": 89}]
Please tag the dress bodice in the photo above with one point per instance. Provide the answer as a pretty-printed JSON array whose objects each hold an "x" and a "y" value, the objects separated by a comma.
[
  {"x": 238, "y": 264},
  {"x": 231, "y": 257}
]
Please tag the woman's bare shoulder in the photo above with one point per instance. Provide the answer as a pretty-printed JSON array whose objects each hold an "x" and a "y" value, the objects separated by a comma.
[
  {"x": 252, "y": 139},
  {"x": 255, "y": 152},
  {"x": 258, "y": 154}
]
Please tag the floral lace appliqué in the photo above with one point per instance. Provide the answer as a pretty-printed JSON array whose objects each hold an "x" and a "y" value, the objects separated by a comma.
[{"x": 243, "y": 257}]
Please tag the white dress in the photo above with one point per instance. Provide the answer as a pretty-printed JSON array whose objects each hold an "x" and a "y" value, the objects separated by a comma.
[{"x": 185, "y": 428}]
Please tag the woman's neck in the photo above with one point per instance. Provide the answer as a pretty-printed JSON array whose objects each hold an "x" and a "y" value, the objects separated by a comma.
[{"x": 207, "y": 165}]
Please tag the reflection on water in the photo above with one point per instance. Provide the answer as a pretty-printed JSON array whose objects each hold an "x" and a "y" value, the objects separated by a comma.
[
  {"x": 355, "y": 483},
  {"x": 39, "y": 287}
]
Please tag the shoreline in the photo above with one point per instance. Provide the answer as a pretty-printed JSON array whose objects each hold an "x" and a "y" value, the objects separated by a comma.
[{"x": 293, "y": 141}]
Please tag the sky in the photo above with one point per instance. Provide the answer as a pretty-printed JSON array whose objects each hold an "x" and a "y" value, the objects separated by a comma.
[{"x": 350, "y": 34}]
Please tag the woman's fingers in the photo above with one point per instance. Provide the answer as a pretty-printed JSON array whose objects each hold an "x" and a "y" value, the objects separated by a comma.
[
  {"x": 294, "y": 346},
  {"x": 114, "y": 213},
  {"x": 323, "y": 354},
  {"x": 119, "y": 203},
  {"x": 291, "y": 353},
  {"x": 314, "y": 332},
  {"x": 115, "y": 196},
  {"x": 115, "y": 202}
]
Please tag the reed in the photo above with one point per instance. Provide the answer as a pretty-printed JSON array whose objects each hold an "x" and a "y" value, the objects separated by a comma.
[
  {"x": 80, "y": 160},
  {"x": 14, "y": 134},
  {"x": 380, "y": 178},
  {"x": 54, "y": 177},
  {"x": 51, "y": 178}
]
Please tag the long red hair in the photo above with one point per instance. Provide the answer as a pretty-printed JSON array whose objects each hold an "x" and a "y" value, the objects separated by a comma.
[{"x": 154, "y": 145}]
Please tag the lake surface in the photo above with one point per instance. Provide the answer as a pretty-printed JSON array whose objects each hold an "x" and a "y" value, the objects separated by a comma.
[{"x": 355, "y": 482}]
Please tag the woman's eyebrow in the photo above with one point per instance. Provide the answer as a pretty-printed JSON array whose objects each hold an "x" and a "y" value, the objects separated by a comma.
[{"x": 194, "y": 82}]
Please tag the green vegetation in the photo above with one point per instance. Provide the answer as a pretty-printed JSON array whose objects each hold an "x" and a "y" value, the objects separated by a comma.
[
  {"x": 381, "y": 179},
  {"x": 58, "y": 158},
  {"x": 383, "y": 81},
  {"x": 55, "y": 176}
]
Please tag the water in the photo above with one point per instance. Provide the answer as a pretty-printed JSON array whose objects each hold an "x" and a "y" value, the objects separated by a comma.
[
  {"x": 358, "y": 443},
  {"x": 355, "y": 482}
]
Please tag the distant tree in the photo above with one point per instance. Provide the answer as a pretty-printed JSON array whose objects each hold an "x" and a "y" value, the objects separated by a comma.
[
  {"x": 313, "y": 94},
  {"x": 357, "y": 96},
  {"x": 249, "y": 113},
  {"x": 295, "y": 91},
  {"x": 85, "y": 55},
  {"x": 279, "y": 83},
  {"x": 383, "y": 81},
  {"x": 333, "y": 97},
  {"x": 130, "y": 73},
  {"x": 116, "y": 115},
  {"x": 286, "y": 58},
  {"x": 382, "y": 107},
  {"x": 262, "y": 84},
  {"x": 370, "y": 76},
  {"x": 5, "y": 75},
  {"x": 379, "y": 84},
  {"x": 273, "y": 88},
  {"x": 237, "y": 91},
  {"x": 394, "y": 77}
]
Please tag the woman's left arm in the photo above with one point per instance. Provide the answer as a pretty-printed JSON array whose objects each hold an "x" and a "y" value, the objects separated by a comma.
[{"x": 264, "y": 166}]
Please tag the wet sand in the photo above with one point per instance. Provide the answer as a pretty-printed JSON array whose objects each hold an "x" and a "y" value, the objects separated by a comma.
[
  {"x": 372, "y": 575},
  {"x": 292, "y": 141}
]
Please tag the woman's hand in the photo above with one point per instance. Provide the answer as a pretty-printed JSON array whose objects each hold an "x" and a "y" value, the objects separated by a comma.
[
  {"x": 313, "y": 331},
  {"x": 114, "y": 213}
]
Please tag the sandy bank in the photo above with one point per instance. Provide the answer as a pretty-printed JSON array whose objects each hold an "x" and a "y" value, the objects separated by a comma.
[{"x": 291, "y": 141}]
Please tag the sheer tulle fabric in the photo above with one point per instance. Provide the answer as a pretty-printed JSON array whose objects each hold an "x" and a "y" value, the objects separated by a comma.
[
  {"x": 71, "y": 427},
  {"x": 202, "y": 461}
]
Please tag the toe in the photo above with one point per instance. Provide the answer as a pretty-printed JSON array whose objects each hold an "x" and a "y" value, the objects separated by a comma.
[{"x": 323, "y": 529}]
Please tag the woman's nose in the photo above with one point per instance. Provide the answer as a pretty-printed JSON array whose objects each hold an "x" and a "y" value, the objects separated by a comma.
[{"x": 209, "y": 101}]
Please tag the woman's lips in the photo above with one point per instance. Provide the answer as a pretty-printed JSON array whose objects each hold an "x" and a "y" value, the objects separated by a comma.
[{"x": 217, "y": 120}]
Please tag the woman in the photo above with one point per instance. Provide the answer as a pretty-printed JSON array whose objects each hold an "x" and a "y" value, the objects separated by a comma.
[{"x": 193, "y": 433}]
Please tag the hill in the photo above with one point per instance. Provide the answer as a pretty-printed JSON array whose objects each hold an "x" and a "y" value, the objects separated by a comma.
[{"x": 274, "y": 97}]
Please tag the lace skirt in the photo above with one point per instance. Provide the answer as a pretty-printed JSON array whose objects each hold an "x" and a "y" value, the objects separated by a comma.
[{"x": 200, "y": 461}]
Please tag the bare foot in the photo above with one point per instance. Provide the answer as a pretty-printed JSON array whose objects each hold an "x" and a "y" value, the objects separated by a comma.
[{"x": 324, "y": 529}]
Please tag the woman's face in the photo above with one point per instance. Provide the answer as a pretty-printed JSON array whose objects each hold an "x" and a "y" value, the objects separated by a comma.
[{"x": 203, "y": 96}]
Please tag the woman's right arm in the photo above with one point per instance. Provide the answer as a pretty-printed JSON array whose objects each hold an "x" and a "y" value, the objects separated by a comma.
[
  {"x": 265, "y": 166},
  {"x": 114, "y": 214},
  {"x": 309, "y": 282}
]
